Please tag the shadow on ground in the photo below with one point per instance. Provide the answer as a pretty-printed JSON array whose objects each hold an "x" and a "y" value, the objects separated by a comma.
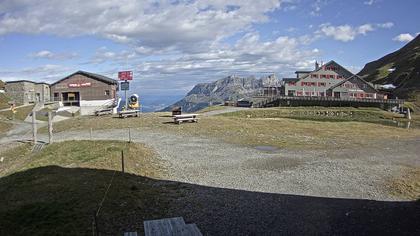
[{"x": 61, "y": 201}]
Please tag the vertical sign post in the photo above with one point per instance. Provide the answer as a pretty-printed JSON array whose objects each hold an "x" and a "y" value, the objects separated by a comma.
[{"x": 125, "y": 76}]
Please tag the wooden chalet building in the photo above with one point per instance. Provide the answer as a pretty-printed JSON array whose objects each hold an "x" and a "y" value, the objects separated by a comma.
[
  {"x": 354, "y": 87},
  {"x": 316, "y": 83},
  {"x": 86, "y": 90},
  {"x": 328, "y": 85}
]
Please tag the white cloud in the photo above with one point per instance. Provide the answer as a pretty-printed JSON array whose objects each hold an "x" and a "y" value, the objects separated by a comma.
[
  {"x": 369, "y": 2},
  {"x": 171, "y": 44},
  {"x": 317, "y": 7},
  {"x": 404, "y": 37},
  {"x": 103, "y": 55},
  {"x": 157, "y": 25},
  {"x": 386, "y": 25},
  {"x": 249, "y": 54},
  {"x": 346, "y": 33},
  {"x": 45, "y": 54},
  {"x": 47, "y": 73}
]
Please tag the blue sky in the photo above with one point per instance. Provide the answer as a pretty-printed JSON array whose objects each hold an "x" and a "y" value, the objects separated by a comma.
[{"x": 172, "y": 45}]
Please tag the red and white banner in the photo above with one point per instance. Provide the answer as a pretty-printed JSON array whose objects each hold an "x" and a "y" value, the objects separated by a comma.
[
  {"x": 78, "y": 85},
  {"x": 125, "y": 75}
]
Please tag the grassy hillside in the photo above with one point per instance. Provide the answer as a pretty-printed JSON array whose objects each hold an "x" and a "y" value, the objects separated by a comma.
[
  {"x": 4, "y": 127},
  {"x": 401, "y": 68},
  {"x": 21, "y": 113},
  {"x": 57, "y": 190},
  {"x": 4, "y": 101}
]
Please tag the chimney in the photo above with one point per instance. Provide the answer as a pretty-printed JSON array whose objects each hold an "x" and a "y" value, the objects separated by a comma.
[{"x": 316, "y": 65}]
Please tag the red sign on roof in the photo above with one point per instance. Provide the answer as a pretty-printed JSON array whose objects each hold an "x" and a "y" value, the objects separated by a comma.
[{"x": 125, "y": 75}]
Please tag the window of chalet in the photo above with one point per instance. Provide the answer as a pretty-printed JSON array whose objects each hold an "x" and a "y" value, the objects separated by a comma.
[
  {"x": 314, "y": 75},
  {"x": 107, "y": 93},
  {"x": 324, "y": 76}
]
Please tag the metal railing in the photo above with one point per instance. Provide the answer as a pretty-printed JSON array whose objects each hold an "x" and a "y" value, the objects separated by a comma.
[{"x": 270, "y": 99}]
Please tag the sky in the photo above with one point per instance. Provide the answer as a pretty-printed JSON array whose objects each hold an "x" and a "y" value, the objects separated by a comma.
[{"x": 173, "y": 45}]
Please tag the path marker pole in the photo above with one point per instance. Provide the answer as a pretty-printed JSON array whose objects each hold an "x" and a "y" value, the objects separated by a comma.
[
  {"x": 50, "y": 128},
  {"x": 122, "y": 161},
  {"x": 34, "y": 129},
  {"x": 129, "y": 135},
  {"x": 90, "y": 134}
]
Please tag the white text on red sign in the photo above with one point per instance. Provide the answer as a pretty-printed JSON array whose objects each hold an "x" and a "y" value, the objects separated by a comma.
[
  {"x": 125, "y": 75},
  {"x": 78, "y": 85}
]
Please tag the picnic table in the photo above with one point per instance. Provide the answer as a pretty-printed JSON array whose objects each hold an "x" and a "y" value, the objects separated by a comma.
[{"x": 185, "y": 117}]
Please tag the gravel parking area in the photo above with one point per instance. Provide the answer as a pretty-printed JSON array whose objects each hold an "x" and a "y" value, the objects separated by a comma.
[
  {"x": 236, "y": 190},
  {"x": 360, "y": 174}
]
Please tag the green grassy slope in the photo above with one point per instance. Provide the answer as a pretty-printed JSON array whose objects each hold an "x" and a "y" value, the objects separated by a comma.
[
  {"x": 406, "y": 76},
  {"x": 56, "y": 191}
]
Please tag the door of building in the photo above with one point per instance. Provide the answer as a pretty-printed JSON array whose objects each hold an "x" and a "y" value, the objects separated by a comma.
[
  {"x": 71, "y": 99},
  {"x": 337, "y": 94}
]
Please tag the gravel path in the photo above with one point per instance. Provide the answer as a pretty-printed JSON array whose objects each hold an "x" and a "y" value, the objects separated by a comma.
[
  {"x": 357, "y": 174},
  {"x": 226, "y": 110}
]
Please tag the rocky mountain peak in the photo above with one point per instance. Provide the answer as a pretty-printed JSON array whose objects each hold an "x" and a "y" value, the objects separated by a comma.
[{"x": 230, "y": 88}]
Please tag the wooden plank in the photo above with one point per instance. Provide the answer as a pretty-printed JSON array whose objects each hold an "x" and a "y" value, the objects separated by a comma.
[
  {"x": 186, "y": 119},
  {"x": 130, "y": 233},
  {"x": 163, "y": 227},
  {"x": 185, "y": 115}
]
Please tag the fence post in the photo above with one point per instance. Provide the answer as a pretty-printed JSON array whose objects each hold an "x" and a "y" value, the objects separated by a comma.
[
  {"x": 129, "y": 134},
  {"x": 122, "y": 161},
  {"x": 95, "y": 223},
  {"x": 50, "y": 128},
  {"x": 90, "y": 133},
  {"x": 34, "y": 128}
]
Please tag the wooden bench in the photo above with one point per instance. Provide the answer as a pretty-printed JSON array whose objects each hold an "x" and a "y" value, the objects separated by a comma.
[
  {"x": 129, "y": 113},
  {"x": 186, "y": 117},
  {"x": 105, "y": 111}
]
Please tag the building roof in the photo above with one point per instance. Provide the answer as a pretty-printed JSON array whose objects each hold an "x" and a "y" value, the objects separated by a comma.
[
  {"x": 19, "y": 81},
  {"x": 290, "y": 79},
  {"x": 327, "y": 64},
  {"x": 351, "y": 77},
  {"x": 90, "y": 75},
  {"x": 27, "y": 81},
  {"x": 302, "y": 71}
]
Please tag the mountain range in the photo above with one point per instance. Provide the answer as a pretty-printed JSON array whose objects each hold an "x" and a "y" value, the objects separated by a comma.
[{"x": 231, "y": 88}]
